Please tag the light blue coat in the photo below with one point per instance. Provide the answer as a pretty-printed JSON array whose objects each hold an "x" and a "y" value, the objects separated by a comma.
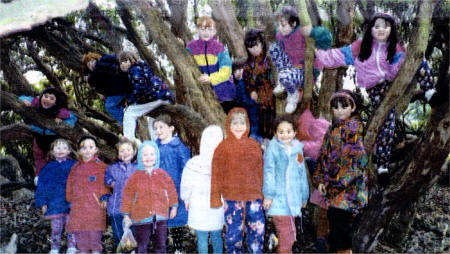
[{"x": 285, "y": 179}]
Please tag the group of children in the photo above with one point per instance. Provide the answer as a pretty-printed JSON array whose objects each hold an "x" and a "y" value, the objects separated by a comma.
[{"x": 232, "y": 182}]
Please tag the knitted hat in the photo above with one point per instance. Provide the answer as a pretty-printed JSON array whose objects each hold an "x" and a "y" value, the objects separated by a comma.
[
  {"x": 322, "y": 36},
  {"x": 87, "y": 136}
]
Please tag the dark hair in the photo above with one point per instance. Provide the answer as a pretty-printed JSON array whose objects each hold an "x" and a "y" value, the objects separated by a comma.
[
  {"x": 125, "y": 140},
  {"x": 285, "y": 118},
  {"x": 167, "y": 119},
  {"x": 252, "y": 37},
  {"x": 86, "y": 136},
  {"x": 366, "y": 44},
  {"x": 237, "y": 65},
  {"x": 290, "y": 14},
  {"x": 61, "y": 101},
  {"x": 345, "y": 101}
]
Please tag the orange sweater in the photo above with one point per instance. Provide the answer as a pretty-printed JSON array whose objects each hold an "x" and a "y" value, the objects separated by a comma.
[
  {"x": 237, "y": 168},
  {"x": 146, "y": 195}
]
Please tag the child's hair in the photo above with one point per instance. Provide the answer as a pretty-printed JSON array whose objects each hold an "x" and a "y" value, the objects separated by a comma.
[
  {"x": 285, "y": 118},
  {"x": 366, "y": 44},
  {"x": 236, "y": 65},
  {"x": 86, "y": 58},
  {"x": 59, "y": 141},
  {"x": 238, "y": 115},
  {"x": 167, "y": 119},
  {"x": 85, "y": 137},
  {"x": 252, "y": 37},
  {"x": 289, "y": 14},
  {"x": 61, "y": 98},
  {"x": 205, "y": 21},
  {"x": 128, "y": 56},
  {"x": 346, "y": 98},
  {"x": 123, "y": 141}
]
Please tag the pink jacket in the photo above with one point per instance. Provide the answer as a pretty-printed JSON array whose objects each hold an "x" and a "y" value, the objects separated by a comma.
[{"x": 372, "y": 70}]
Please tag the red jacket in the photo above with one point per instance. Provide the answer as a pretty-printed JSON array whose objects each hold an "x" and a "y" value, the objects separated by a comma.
[
  {"x": 237, "y": 167},
  {"x": 146, "y": 195},
  {"x": 85, "y": 184}
]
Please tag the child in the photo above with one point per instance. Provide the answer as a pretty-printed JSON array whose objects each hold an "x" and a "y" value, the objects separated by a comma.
[
  {"x": 285, "y": 186},
  {"x": 195, "y": 191},
  {"x": 377, "y": 59},
  {"x": 288, "y": 53},
  {"x": 237, "y": 176},
  {"x": 87, "y": 193},
  {"x": 115, "y": 177},
  {"x": 174, "y": 155},
  {"x": 106, "y": 77},
  {"x": 258, "y": 80},
  {"x": 148, "y": 91},
  {"x": 148, "y": 196},
  {"x": 214, "y": 62},
  {"x": 53, "y": 103},
  {"x": 51, "y": 193},
  {"x": 244, "y": 100},
  {"x": 340, "y": 174}
]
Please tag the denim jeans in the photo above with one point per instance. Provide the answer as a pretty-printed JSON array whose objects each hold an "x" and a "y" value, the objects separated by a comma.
[
  {"x": 113, "y": 108},
  {"x": 216, "y": 240}
]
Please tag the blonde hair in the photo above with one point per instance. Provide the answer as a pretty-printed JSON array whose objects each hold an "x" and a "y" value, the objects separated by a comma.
[
  {"x": 205, "y": 21},
  {"x": 238, "y": 115},
  {"x": 128, "y": 55},
  {"x": 126, "y": 141},
  {"x": 88, "y": 57}
]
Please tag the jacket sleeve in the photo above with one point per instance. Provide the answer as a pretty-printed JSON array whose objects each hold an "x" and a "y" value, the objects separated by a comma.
[
  {"x": 103, "y": 190},
  {"x": 136, "y": 80},
  {"x": 321, "y": 173},
  {"x": 242, "y": 96},
  {"x": 216, "y": 179},
  {"x": 129, "y": 192},
  {"x": 304, "y": 185},
  {"x": 109, "y": 178},
  {"x": 338, "y": 57},
  {"x": 63, "y": 113},
  {"x": 185, "y": 155},
  {"x": 186, "y": 183},
  {"x": 224, "y": 72},
  {"x": 41, "y": 197},
  {"x": 269, "y": 184},
  {"x": 394, "y": 67},
  {"x": 69, "y": 184}
]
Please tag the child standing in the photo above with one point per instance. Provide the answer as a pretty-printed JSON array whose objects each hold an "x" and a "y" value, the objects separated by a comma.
[
  {"x": 50, "y": 194},
  {"x": 237, "y": 176},
  {"x": 53, "y": 103},
  {"x": 115, "y": 177},
  {"x": 340, "y": 174},
  {"x": 148, "y": 196},
  {"x": 174, "y": 155},
  {"x": 285, "y": 186},
  {"x": 258, "y": 80},
  {"x": 148, "y": 91},
  {"x": 214, "y": 62},
  {"x": 87, "y": 193},
  {"x": 196, "y": 189},
  {"x": 377, "y": 57}
]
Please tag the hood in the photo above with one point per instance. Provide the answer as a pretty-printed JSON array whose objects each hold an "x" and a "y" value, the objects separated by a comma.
[
  {"x": 139, "y": 154},
  {"x": 211, "y": 137},
  {"x": 228, "y": 122}
]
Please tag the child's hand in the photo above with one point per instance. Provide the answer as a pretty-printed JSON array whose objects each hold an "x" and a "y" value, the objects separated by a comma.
[
  {"x": 27, "y": 103},
  {"x": 322, "y": 189},
  {"x": 267, "y": 203},
  {"x": 173, "y": 212},
  {"x": 104, "y": 204},
  {"x": 126, "y": 221},
  {"x": 254, "y": 96},
  {"x": 44, "y": 209},
  {"x": 186, "y": 205},
  {"x": 204, "y": 78},
  {"x": 58, "y": 120}
]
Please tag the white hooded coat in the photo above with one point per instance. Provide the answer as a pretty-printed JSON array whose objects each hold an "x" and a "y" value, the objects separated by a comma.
[{"x": 195, "y": 188}]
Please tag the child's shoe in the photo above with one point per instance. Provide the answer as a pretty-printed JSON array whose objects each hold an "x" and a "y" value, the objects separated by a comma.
[
  {"x": 71, "y": 250},
  {"x": 292, "y": 101},
  {"x": 278, "y": 89},
  {"x": 54, "y": 251}
]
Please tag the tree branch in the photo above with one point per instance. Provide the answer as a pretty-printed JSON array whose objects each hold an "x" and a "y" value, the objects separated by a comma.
[{"x": 32, "y": 52}]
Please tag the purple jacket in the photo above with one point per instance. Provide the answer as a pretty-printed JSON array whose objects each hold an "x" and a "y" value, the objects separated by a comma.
[
  {"x": 372, "y": 70},
  {"x": 118, "y": 173}
]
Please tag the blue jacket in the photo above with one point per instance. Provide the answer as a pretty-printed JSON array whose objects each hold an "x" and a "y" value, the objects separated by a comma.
[
  {"x": 174, "y": 156},
  {"x": 146, "y": 86},
  {"x": 118, "y": 173},
  {"x": 244, "y": 100},
  {"x": 285, "y": 179},
  {"x": 51, "y": 189},
  {"x": 107, "y": 78}
]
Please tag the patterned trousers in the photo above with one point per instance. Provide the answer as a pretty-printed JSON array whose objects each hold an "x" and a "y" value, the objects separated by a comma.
[
  {"x": 58, "y": 224},
  {"x": 288, "y": 76}
]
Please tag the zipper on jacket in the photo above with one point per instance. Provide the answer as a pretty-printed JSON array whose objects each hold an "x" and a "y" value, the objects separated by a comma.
[
  {"x": 378, "y": 59},
  {"x": 206, "y": 58}
]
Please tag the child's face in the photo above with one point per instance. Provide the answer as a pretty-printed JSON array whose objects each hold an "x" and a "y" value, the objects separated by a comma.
[
  {"x": 164, "y": 131},
  {"x": 126, "y": 152},
  {"x": 88, "y": 149},
  {"x": 148, "y": 156},
  {"x": 206, "y": 33},
  {"x": 61, "y": 151},
  {"x": 285, "y": 133},
  {"x": 256, "y": 50},
  {"x": 284, "y": 27},
  {"x": 238, "y": 127},
  {"x": 238, "y": 73},
  {"x": 48, "y": 100},
  {"x": 341, "y": 112},
  {"x": 125, "y": 65},
  {"x": 381, "y": 30}
]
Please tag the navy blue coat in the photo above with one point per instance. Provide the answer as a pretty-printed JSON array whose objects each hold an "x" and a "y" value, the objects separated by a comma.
[
  {"x": 107, "y": 78},
  {"x": 243, "y": 99},
  {"x": 51, "y": 189}
]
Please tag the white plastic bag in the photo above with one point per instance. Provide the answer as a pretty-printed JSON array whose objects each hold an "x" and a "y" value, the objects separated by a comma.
[{"x": 127, "y": 243}]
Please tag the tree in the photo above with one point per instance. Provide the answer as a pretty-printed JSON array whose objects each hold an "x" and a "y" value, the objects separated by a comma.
[{"x": 55, "y": 48}]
